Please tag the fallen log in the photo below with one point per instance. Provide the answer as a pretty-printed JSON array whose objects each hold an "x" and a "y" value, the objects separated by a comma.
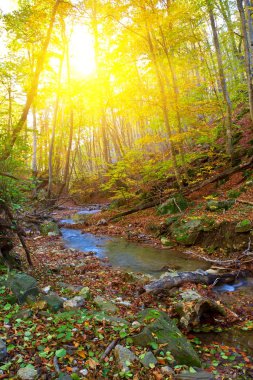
[
  {"x": 188, "y": 191},
  {"x": 220, "y": 176},
  {"x": 135, "y": 209},
  {"x": 177, "y": 279}
]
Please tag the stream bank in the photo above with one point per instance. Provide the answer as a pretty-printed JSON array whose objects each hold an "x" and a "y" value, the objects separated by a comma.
[{"x": 85, "y": 337}]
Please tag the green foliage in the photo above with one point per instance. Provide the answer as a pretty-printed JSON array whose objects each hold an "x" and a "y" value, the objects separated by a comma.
[{"x": 233, "y": 194}]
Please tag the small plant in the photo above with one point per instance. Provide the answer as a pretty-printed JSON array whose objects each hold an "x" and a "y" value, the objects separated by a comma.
[{"x": 233, "y": 194}]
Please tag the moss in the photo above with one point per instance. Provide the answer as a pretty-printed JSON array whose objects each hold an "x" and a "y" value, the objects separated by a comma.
[{"x": 243, "y": 226}]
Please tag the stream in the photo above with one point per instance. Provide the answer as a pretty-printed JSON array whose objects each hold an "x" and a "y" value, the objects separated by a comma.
[{"x": 135, "y": 257}]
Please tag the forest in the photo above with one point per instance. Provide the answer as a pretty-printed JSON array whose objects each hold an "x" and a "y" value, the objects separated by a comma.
[{"x": 126, "y": 186}]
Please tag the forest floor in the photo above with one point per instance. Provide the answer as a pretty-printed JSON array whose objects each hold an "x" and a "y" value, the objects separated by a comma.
[
  {"x": 73, "y": 342},
  {"x": 79, "y": 340}
]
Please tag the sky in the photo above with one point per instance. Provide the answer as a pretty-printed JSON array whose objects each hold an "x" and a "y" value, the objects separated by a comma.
[{"x": 8, "y": 5}]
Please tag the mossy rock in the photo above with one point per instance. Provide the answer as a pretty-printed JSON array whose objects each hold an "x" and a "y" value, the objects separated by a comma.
[
  {"x": 214, "y": 205},
  {"x": 22, "y": 286},
  {"x": 187, "y": 233},
  {"x": 243, "y": 226},
  {"x": 173, "y": 205},
  {"x": 160, "y": 329},
  {"x": 171, "y": 220},
  {"x": 49, "y": 227},
  {"x": 208, "y": 224},
  {"x": 167, "y": 242},
  {"x": 79, "y": 217}
]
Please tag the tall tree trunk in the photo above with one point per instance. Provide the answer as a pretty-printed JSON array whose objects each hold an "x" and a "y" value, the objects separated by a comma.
[
  {"x": 33, "y": 90},
  {"x": 52, "y": 140},
  {"x": 247, "y": 54},
  {"x": 164, "y": 103},
  {"x": 34, "y": 154},
  {"x": 228, "y": 124},
  {"x": 71, "y": 120}
]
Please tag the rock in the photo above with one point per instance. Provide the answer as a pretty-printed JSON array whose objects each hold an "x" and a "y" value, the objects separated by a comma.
[
  {"x": 24, "y": 314},
  {"x": 85, "y": 293},
  {"x": 74, "y": 303},
  {"x": 49, "y": 227},
  {"x": 54, "y": 301},
  {"x": 64, "y": 376},
  {"x": 149, "y": 360},
  {"x": 105, "y": 305},
  {"x": 166, "y": 370},
  {"x": 123, "y": 356},
  {"x": 71, "y": 288},
  {"x": 3, "y": 350},
  {"x": 27, "y": 373},
  {"x": 46, "y": 290},
  {"x": 214, "y": 205},
  {"x": 190, "y": 295},
  {"x": 84, "y": 372},
  {"x": 200, "y": 375},
  {"x": 136, "y": 324},
  {"x": 22, "y": 285},
  {"x": 173, "y": 205},
  {"x": 162, "y": 330},
  {"x": 167, "y": 242},
  {"x": 186, "y": 233},
  {"x": 243, "y": 226},
  {"x": 80, "y": 217}
]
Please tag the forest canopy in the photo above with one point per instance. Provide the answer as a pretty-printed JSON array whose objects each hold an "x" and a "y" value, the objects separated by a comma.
[{"x": 122, "y": 93}]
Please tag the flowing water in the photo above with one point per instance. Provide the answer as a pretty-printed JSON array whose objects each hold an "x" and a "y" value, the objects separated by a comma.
[
  {"x": 131, "y": 256},
  {"x": 138, "y": 258}
]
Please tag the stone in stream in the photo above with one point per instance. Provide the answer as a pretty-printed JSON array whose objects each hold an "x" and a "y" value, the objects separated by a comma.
[
  {"x": 160, "y": 329},
  {"x": 27, "y": 373},
  {"x": 3, "y": 350},
  {"x": 167, "y": 242},
  {"x": 22, "y": 286},
  {"x": 124, "y": 356},
  {"x": 105, "y": 305}
]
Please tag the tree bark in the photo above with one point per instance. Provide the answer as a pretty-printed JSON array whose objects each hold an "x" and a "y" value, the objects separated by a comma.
[
  {"x": 223, "y": 83},
  {"x": 247, "y": 55},
  {"x": 175, "y": 280}
]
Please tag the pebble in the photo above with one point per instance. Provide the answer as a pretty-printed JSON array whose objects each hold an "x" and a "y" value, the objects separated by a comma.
[{"x": 84, "y": 372}]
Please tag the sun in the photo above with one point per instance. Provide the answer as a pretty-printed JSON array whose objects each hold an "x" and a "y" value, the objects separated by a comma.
[{"x": 82, "y": 56}]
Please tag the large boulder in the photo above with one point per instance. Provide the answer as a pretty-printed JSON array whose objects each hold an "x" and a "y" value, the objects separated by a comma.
[
  {"x": 160, "y": 329},
  {"x": 23, "y": 286},
  {"x": 49, "y": 228},
  {"x": 187, "y": 232}
]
